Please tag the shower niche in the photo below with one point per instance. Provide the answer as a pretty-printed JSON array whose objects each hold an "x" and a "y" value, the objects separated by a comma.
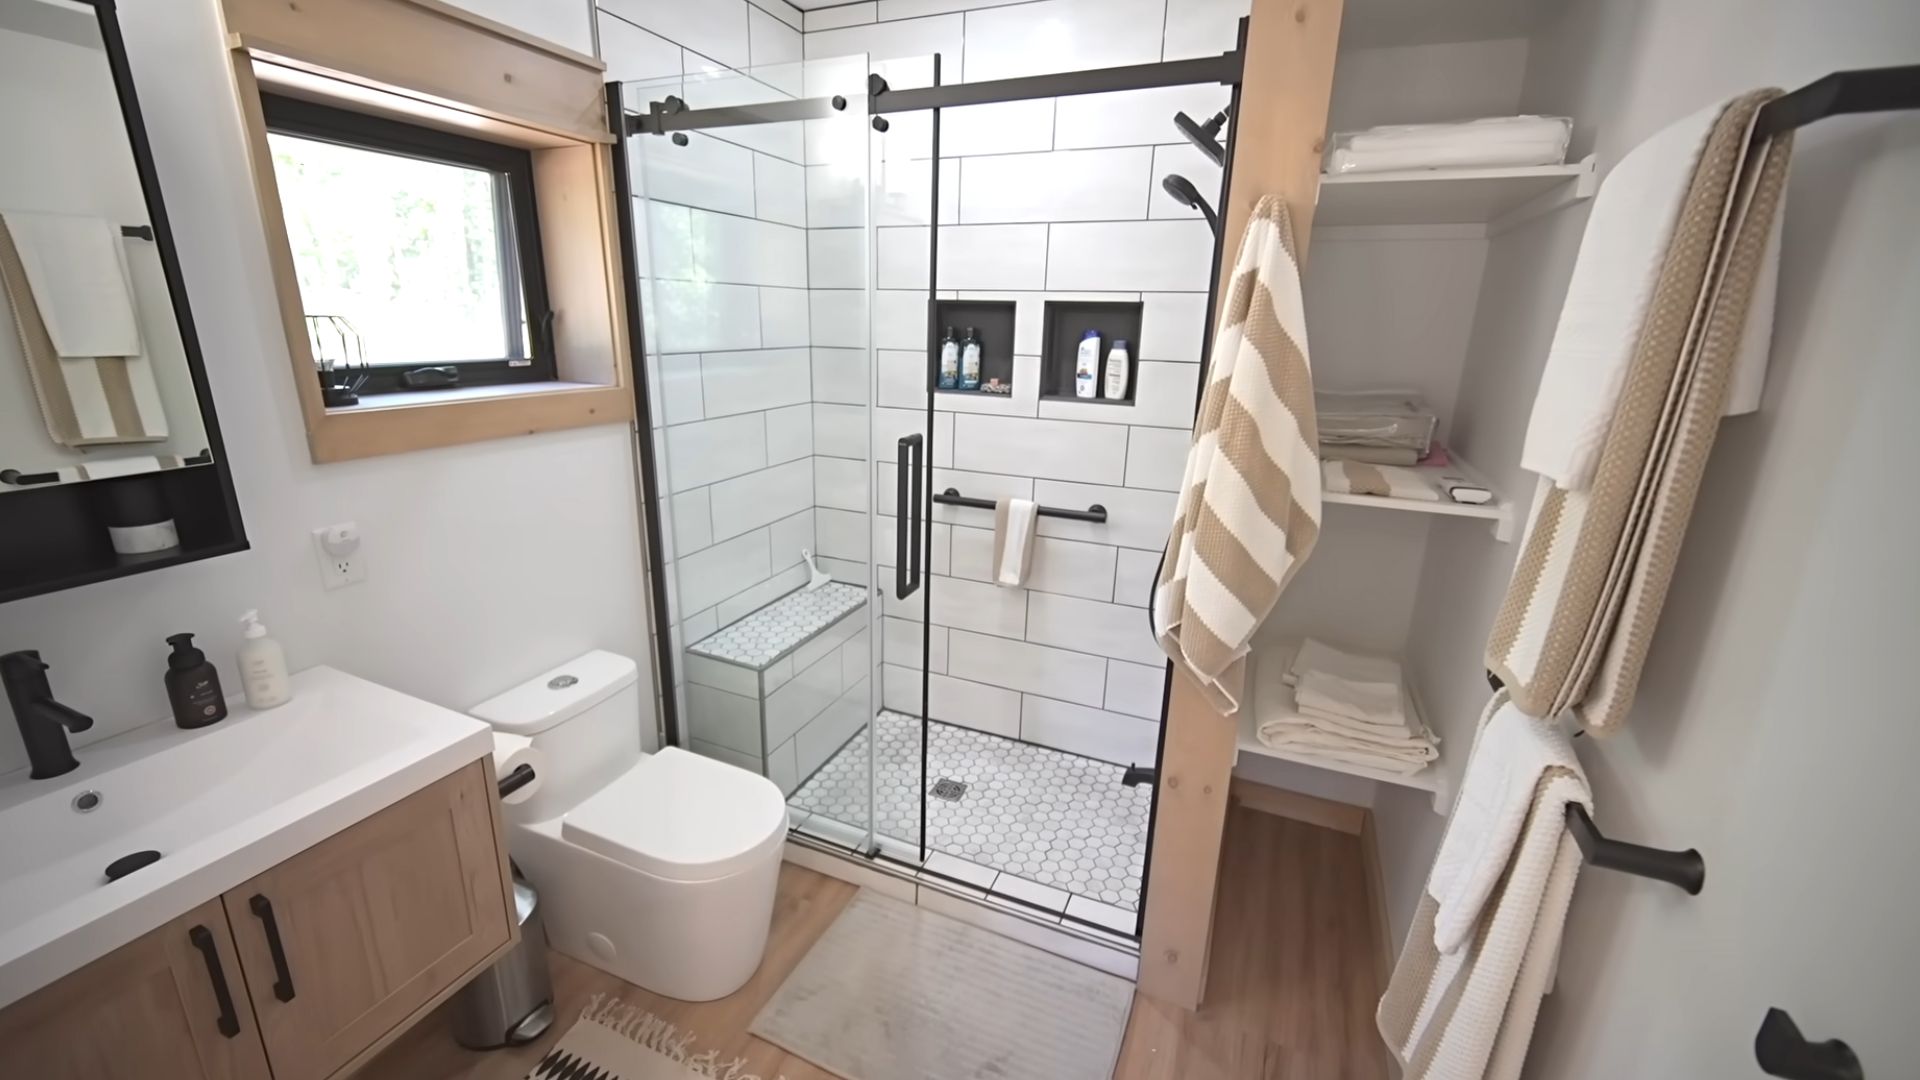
[
  {"x": 992, "y": 321},
  {"x": 1065, "y": 323}
]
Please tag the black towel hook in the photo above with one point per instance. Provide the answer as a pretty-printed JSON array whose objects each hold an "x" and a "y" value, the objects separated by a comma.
[{"x": 1781, "y": 1050}]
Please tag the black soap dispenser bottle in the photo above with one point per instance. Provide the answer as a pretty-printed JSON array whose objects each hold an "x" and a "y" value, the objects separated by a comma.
[{"x": 193, "y": 686}]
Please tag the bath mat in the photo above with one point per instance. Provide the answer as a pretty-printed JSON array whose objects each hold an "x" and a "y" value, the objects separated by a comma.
[
  {"x": 892, "y": 990},
  {"x": 612, "y": 1041}
]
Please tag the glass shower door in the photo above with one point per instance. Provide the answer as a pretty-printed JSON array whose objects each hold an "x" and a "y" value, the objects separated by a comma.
[{"x": 754, "y": 245}]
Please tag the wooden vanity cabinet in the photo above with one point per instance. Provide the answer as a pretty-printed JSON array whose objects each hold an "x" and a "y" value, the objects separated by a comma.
[
  {"x": 325, "y": 958},
  {"x": 168, "y": 1005},
  {"x": 347, "y": 939}
]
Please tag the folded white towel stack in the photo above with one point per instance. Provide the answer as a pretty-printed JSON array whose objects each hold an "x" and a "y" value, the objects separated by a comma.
[
  {"x": 1342, "y": 706},
  {"x": 1497, "y": 141}
]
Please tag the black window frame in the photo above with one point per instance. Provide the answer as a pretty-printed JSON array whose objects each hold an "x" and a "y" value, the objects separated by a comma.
[{"x": 523, "y": 276}]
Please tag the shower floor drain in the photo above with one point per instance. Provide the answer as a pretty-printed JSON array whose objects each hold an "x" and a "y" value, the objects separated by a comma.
[{"x": 950, "y": 790}]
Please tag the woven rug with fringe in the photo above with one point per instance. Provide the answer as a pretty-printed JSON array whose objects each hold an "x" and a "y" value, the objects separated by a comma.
[{"x": 614, "y": 1041}]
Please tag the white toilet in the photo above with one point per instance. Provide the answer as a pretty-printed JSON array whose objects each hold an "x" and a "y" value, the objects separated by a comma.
[{"x": 660, "y": 869}]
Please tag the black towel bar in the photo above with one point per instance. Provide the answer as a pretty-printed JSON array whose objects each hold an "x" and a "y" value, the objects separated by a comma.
[
  {"x": 1683, "y": 868},
  {"x": 1095, "y": 513}
]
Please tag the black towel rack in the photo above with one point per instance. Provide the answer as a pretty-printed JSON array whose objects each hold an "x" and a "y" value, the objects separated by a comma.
[
  {"x": 1866, "y": 90},
  {"x": 1683, "y": 868},
  {"x": 1095, "y": 513},
  {"x": 137, "y": 232}
]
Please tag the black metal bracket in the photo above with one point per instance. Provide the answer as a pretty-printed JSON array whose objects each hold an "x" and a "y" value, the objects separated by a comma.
[
  {"x": 137, "y": 232},
  {"x": 1843, "y": 92},
  {"x": 1139, "y": 774},
  {"x": 1781, "y": 1050},
  {"x": 1683, "y": 868},
  {"x": 1095, "y": 513}
]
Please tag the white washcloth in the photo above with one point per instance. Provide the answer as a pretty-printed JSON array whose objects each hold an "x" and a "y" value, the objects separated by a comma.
[
  {"x": 1013, "y": 521},
  {"x": 1368, "y": 690},
  {"x": 1511, "y": 754},
  {"x": 1621, "y": 254},
  {"x": 77, "y": 269}
]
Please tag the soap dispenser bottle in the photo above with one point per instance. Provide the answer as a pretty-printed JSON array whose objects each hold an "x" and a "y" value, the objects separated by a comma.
[
  {"x": 263, "y": 666},
  {"x": 193, "y": 686}
]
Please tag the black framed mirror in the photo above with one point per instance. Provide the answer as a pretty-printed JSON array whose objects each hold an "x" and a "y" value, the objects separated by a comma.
[{"x": 111, "y": 461}]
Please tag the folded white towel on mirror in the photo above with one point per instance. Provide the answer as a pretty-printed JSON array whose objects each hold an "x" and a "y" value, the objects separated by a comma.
[
  {"x": 1013, "y": 524},
  {"x": 77, "y": 269},
  {"x": 1621, "y": 254}
]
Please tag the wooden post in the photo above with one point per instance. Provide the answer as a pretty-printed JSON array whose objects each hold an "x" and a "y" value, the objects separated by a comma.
[{"x": 1278, "y": 140}]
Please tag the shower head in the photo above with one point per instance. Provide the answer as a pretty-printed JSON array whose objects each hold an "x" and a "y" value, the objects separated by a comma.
[
  {"x": 1187, "y": 195},
  {"x": 1205, "y": 136}
]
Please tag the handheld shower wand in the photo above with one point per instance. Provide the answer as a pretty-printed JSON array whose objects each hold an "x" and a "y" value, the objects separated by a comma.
[{"x": 1187, "y": 195}]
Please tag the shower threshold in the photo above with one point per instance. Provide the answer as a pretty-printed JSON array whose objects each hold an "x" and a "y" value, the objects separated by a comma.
[{"x": 1041, "y": 825}]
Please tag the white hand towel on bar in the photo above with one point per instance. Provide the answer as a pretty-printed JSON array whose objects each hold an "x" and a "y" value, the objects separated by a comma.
[
  {"x": 1013, "y": 521},
  {"x": 1621, "y": 254},
  {"x": 1465, "y": 993},
  {"x": 1249, "y": 507},
  {"x": 77, "y": 269}
]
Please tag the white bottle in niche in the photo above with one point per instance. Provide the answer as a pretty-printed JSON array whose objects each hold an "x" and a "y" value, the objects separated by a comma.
[
  {"x": 970, "y": 361},
  {"x": 1117, "y": 365},
  {"x": 263, "y": 666},
  {"x": 1086, "y": 367},
  {"x": 949, "y": 362}
]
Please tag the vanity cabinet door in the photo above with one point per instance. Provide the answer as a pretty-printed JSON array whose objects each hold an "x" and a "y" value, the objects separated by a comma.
[
  {"x": 168, "y": 1006},
  {"x": 345, "y": 942}
]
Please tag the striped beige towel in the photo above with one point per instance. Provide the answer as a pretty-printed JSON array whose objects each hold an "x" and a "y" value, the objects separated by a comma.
[
  {"x": 85, "y": 401},
  {"x": 1249, "y": 506},
  {"x": 1382, "y": 481},
  {"x": 1579, "y": 612}
]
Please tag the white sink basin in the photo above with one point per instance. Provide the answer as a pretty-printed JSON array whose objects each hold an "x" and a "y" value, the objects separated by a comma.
[{"x": 220, "y": 804}]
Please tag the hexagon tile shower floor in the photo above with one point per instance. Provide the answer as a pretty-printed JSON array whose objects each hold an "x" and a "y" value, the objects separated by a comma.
[{"x": 1032, "y": 811}]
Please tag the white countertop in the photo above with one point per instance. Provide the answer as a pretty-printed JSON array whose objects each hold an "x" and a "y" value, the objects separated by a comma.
[{"x": 221, "y": 804}]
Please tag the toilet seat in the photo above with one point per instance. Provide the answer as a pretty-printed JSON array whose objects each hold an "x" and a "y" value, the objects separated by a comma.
[{"x": 680, "y": 816}]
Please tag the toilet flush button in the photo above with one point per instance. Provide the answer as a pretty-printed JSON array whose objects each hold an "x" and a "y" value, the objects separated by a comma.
[
  {"x": 601, "y": 945},
  {"x": 561, "y": 682}
]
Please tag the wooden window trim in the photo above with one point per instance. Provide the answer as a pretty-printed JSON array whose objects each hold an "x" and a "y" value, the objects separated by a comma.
[{"x": 479, "y": 78}]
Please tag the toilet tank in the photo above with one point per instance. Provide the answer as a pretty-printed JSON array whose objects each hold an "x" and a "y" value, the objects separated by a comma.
[{"x": 584, "y": 718}]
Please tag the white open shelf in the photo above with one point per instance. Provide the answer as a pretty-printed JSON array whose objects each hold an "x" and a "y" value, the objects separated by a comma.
[
  {"x": 1497, "y": 198},
  {"x": 1432, "y": 779},
  {"x": 1499, "y": 511}
]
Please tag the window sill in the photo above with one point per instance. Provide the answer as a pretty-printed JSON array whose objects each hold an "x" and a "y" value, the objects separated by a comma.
[{"x": 422, "y": 420}]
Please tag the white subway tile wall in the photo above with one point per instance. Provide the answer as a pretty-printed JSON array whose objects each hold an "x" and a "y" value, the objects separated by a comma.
[{"x": 762, "y": 246}]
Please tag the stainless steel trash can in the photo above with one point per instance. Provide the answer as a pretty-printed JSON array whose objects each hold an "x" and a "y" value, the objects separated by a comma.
[{"x": 511, "y": 1002}]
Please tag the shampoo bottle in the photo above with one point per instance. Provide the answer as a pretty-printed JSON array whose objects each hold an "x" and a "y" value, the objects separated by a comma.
[
  {"x": 949, "y": 362},
  {"x": 193, "y": 686},
  {"x": 263, "y": 666},
  {"x": 1117, "y": 373},
  {"x": 1086, "y": 367},
  {"x": 970, "y": 361}
]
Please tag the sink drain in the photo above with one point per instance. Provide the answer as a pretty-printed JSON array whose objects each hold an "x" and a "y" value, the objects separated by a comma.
[{"x": 949, "y": 790}]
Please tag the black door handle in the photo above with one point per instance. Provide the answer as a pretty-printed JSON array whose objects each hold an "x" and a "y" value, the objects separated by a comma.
[
  {"x": 282, "y": 978},
  {"x": 202, "y": 939},
  {"x": 908, "y": 492},
  {"x": 1782, "y": 1051}
]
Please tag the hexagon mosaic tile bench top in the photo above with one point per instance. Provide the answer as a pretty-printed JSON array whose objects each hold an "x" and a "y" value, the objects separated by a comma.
[{"x": 782, "y": 626}]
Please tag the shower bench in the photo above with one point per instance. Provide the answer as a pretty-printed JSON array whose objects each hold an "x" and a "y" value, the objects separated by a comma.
[{"x": 781, "y": 689}]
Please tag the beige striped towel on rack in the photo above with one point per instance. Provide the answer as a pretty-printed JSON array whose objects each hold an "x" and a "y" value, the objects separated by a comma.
[
  {"x": 86, "y": 400},
  {"x": 1249, "y": 505},
  {"x": 1579, "y": 612}
]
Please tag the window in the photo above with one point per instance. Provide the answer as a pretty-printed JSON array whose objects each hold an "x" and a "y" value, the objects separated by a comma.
[{"x": 417, "y": 252}]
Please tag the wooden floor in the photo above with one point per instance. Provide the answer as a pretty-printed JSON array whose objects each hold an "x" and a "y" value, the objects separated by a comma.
[{"x": 1291, "y": 988}]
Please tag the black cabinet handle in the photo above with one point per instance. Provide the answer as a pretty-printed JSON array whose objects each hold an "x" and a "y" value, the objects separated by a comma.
[
  {"x": 202, "y": 939},
  {"x": 282, "y": 978},
  {"x": 1781, "y": 1050},
  {"x": 908, "y": 493}
]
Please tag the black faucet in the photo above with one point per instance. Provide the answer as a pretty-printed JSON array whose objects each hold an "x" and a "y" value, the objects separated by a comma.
[{"x": 41, "y": 718}]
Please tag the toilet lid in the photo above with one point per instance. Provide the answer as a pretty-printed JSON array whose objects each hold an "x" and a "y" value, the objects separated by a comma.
[{"x": 680, "y": 816}]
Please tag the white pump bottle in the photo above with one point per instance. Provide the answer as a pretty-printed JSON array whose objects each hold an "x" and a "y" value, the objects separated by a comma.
[{"x": 263, "y": 666}]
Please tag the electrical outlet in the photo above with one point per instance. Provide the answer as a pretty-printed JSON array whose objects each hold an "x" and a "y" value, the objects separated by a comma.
[{"x": 338, "y": 547}]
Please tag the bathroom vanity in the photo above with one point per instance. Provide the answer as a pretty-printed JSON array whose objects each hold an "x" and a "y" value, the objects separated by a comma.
[{"x": 329, "y": 872}]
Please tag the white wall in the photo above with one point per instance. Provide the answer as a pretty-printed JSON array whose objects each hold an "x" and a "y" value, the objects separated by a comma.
[
  {"x": 487, "y": 563},
  {"x": 1773, "y": 729}
]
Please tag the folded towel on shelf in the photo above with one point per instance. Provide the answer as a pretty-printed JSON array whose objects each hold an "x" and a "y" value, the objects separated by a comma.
[
  {"x": 1283, "y": 724},
  {"x": 1013, "y": 521},
  {"x": 85, "y": 399},
  {"x": 1248, "y": 512},
  {"x": 1384, "y": 481},
  {"x": 1624, "y": 253},
  {"x": 1405, "y": 457},
  {"x": 1365, "y": 690},
  {"x": 1466, "y": 990},
  {"x": 1497, "y": 141},
  {"x": 1578, "y": 617}
]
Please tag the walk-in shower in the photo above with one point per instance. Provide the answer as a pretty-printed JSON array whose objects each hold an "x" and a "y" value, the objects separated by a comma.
[{"x": 807, "y": 238}]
